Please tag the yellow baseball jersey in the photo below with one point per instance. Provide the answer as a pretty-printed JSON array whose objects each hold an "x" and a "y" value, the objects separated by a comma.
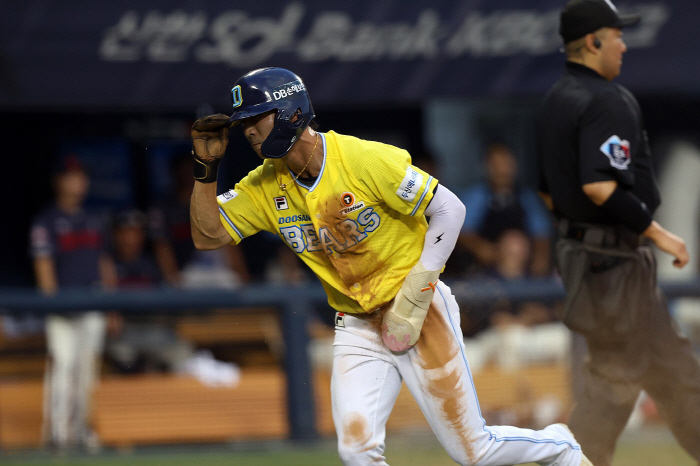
[{"x": 360, "y": 226}]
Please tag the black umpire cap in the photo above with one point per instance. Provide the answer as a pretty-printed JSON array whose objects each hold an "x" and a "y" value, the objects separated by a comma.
[{"x": 581, "y": 17}]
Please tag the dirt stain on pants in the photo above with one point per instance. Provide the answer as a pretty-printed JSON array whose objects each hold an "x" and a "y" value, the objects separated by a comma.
[{"x": 436, "y": 349}]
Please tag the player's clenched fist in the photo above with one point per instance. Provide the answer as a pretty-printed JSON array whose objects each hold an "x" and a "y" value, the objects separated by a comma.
[
  {"x": 209, "y": 141},
  {"x": 403, "y": 321}
]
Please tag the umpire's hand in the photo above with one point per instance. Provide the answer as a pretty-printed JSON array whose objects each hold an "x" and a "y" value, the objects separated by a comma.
[{"x": 668, "y": 243}]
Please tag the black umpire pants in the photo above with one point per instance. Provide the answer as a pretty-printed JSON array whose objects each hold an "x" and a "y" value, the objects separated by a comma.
[{"x": 633, "y": 343}]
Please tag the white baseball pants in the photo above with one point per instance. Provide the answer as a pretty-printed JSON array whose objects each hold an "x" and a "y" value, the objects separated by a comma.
[
  {"x": 367, "y": 378},
  {"x": 74, "y": 345}
]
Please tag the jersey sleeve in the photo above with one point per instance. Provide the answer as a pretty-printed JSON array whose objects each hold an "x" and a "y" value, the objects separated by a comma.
[
  {"x": 387, "y": 170},
  {"x": 607, "y": 127},
  {"x": 240, "y": 209},
  {"x": 240, "y": 212},
  {"x": 41, "y": 242}
]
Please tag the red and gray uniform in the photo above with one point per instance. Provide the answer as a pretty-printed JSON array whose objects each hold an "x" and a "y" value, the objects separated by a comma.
[
  {"x": 74, "y": 340},
  {"x": 74, "y": 241}
]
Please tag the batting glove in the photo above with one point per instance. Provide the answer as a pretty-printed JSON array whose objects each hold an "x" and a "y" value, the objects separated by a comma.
[
  {"x": 403, "y": 320},
  {"x": 209, "y": 141}
]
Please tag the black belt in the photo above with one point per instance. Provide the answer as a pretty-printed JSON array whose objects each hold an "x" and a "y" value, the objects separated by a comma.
[{"x": 605, "y": 236}]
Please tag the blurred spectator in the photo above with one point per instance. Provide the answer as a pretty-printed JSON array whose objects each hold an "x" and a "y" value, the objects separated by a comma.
[
  {"x": 68, "y": 246},
  {"x": 514, "y": 334},
  {"x": 512, "y": 256},
  {"x": 136, "y": 267},
  {"x": 496, "y": 205},
  {"x": 179, "y": 262},
  {"x": 140, "y": 344}
]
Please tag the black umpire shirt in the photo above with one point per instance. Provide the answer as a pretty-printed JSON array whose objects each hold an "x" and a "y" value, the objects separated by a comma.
[{"x": 590, "y": 129}]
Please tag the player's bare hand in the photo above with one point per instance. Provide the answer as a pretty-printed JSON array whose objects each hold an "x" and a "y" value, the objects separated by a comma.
[
  {"x": 669, "y": 243},
  {"x": 210, "y": 136}
]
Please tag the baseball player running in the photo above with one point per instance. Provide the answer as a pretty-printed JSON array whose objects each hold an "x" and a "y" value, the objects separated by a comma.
[{"x": 355, "y": 212}]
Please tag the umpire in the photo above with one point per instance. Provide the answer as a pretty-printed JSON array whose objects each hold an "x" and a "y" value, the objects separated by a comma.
[{"x": 597, "y": 178}]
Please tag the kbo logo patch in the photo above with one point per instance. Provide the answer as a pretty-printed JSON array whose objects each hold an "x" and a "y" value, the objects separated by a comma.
[{"x": 618, "y": 151}]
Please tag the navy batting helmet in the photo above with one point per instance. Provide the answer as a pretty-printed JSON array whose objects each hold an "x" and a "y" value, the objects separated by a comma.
[{"x": 278, "y": 89}]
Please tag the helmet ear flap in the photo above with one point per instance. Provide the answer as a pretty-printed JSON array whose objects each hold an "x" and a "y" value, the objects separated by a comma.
[{"x": 297, "y": 117}]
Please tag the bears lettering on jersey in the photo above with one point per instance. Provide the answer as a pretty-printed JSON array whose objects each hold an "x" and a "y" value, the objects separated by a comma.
[{"x": 346, "y": 234}]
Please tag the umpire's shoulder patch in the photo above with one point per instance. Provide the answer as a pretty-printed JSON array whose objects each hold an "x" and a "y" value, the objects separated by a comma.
[
  {"x": 617, "y": 151},
  {"x": 340, "y": 319}
]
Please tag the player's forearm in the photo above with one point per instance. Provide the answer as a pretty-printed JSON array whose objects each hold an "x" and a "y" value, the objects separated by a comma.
[
  {"x": 108, "y": 273},
  {"x": 167, "y": 263},
  {"x": 483, "y": 249},
  {"x": 45, "y": 275},
  {"x": 446, "y": 214},
  {"x": 207, "y": 230},
  {"x": 547, "y": 199},
  {"x": 540, "y": 256}
]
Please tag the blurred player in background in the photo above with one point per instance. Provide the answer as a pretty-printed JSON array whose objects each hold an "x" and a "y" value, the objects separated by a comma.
[
  {"x": 69, "y": 249},
  {"x": 597, "y": 177},
  {"x": 355, "y": 212}
]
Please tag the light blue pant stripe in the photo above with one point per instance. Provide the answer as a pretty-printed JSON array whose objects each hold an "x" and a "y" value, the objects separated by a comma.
[{"x": 471, "y": 379}]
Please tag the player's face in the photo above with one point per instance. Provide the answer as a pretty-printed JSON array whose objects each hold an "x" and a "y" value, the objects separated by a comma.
[
  {"x": 502, "y": 169},
  {"x": 611, "y": 50},
  {"x": 129, "y": 241},
  {"x": 257, "y": 128},
  {"x": 73, "y": 184}
]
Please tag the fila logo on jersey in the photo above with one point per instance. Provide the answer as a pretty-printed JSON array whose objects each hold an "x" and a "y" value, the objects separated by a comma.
[
  {"x": 410, "y": 185},
  {"x": 618, "y": 151},
  {"x": 281, "y": 203},
  {"x": 340, "y": 319}
]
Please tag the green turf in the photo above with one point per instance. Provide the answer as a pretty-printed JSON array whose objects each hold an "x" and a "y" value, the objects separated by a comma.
[{"x": 653, "y": 448}]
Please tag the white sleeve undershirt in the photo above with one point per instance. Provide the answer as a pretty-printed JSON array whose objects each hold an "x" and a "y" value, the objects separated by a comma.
[{"x": 446, "y": 214}]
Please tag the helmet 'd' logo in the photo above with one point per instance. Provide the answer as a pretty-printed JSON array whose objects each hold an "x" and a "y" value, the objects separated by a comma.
[
  {"x": 236, "y": 96},
  {"x": 347, "y": 199}
]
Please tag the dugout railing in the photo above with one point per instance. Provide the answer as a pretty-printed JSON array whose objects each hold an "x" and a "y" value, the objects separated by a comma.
[{"x": 294, "y": 304}]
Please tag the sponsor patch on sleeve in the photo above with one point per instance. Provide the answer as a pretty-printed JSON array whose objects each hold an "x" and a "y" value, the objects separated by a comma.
[
  {"x": 227, "y": 196},
  {"x": 410, "y": 185},
  {"x": 618, "y": 151}
]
